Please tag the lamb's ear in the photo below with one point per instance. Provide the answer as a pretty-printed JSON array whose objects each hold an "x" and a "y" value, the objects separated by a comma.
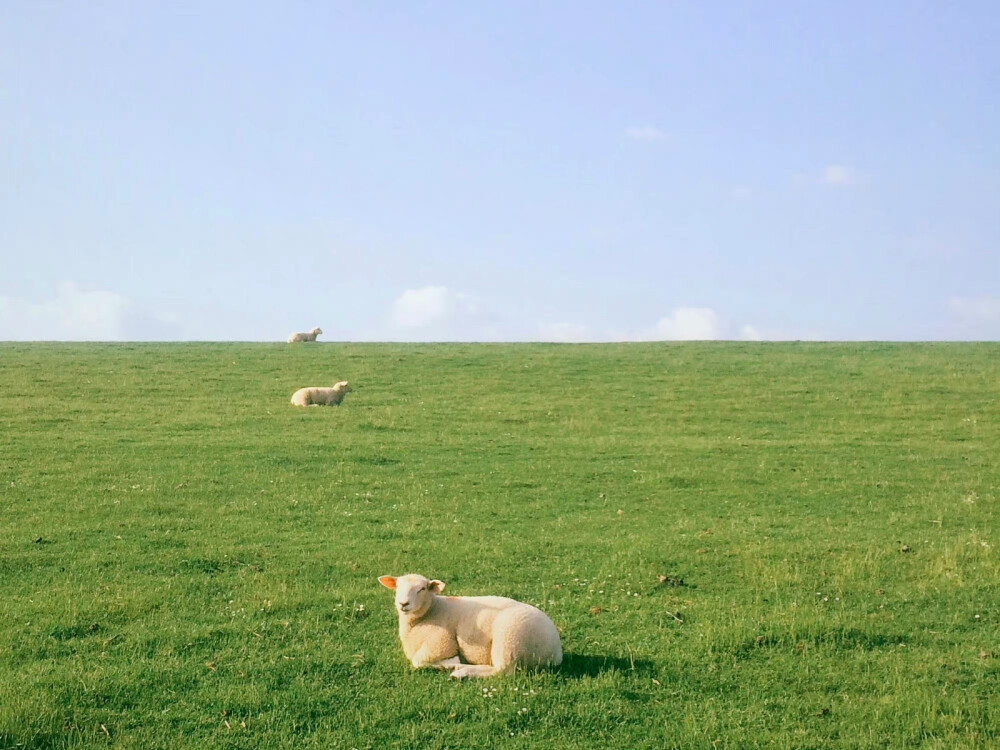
[
  {"x": 436, "y": 586},
  {"x": 388, "y": 581}
]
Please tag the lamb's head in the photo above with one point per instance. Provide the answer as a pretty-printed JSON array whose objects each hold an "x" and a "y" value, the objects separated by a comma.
[
  {"x": 414, "y": 593},
  {"x": 343, "y": 386},
  {"x": 317, "y": 331}
]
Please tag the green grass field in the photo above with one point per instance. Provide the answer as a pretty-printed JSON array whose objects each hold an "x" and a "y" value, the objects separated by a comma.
[{"x": 743, "y": 545}]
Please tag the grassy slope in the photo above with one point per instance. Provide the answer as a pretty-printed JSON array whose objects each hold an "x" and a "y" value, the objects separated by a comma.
[{"x": 187, "y": 561}]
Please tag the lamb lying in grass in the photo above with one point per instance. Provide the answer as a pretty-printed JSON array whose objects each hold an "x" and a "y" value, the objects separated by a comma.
[
  {"x": 311, "y": 336},
  {"x": 321, "y": 396},
  {"x": 474, "y": 636}
]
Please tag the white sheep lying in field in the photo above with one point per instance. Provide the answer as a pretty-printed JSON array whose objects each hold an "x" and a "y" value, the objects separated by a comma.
[
  {"x": 311, "y": 336},
  {"x": 475, "y": 636},
  {"x": 321, "y": 396}
]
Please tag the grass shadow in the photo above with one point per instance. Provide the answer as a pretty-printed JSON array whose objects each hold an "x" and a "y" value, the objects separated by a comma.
[
  {"x": 592, "y": 665},
  {"x": 43, "y": 741},
  {"x": 838, "y": 639}
]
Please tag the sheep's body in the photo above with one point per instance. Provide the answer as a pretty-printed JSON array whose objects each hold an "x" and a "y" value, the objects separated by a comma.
[
  {"x": 482, "y": 631},
  {"x": 321, "y": 396},
  {"x": 311, "y": 336},
  {"x": 476, "y": 636}
]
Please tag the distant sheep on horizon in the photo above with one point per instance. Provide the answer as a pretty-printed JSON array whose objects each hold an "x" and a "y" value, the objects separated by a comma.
[
  {"x": 321, "y": 396},
  {"x": 311, "y": 336}
]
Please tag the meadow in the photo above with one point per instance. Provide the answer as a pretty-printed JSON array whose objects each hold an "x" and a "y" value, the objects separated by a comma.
[{"x": 744, "y": 545}]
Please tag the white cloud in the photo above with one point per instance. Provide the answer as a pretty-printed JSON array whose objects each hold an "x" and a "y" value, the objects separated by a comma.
[
  {"x": 646, "y": 133},
  {"x": 436, "y": 312},
  {"x": 976, "y": 309},
  {"x": 689, "y": 324},
  {"x": 75, "y": 314},
  {"x": 839, "y": 175},
  {"x": 750, "y": 333},
  {"x": 417, "y": 308}
]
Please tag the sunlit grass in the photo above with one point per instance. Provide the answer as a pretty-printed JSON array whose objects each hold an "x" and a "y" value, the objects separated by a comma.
[{"x": 744, "y": 545}]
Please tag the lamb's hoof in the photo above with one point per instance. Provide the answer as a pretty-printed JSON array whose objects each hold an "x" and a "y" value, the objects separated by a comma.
[{"x": 459, "y": 673}]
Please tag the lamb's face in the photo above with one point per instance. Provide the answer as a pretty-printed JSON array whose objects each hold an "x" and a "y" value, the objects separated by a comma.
[
  {"x": 343, "y": 387},
  {"x": 317, "y": 331},
  {"x": 414, "y": 593}
]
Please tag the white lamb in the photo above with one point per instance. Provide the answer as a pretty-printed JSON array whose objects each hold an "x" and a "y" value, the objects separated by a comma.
[
  {"x": 311, "y": 336},
  {"x": 475, "y": 636},
  {"x": 321, "y": 396}
]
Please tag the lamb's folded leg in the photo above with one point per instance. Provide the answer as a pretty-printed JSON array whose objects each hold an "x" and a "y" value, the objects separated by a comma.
[
  {"x": 422, "y": 659},
  {"x": 451, "y": 663},
  {"x": 475, "y": 670}
]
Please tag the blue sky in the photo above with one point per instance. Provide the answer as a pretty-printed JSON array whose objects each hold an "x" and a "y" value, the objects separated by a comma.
[{"x": 502, "y": 171}]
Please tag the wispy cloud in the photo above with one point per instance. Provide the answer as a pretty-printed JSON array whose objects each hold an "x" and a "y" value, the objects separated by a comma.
[
  {"x": 682, "y": 324},
  {"x": 973, "y": 318},
  {"x": 77, "y": 314},
  {"x": 976, "y": 309},
  {"x": 565, "y": 333},
  {"x": 646, "y": 133}
]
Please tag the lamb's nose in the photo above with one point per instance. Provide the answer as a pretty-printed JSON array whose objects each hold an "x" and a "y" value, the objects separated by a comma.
[{"x": 404, "y": 605}]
